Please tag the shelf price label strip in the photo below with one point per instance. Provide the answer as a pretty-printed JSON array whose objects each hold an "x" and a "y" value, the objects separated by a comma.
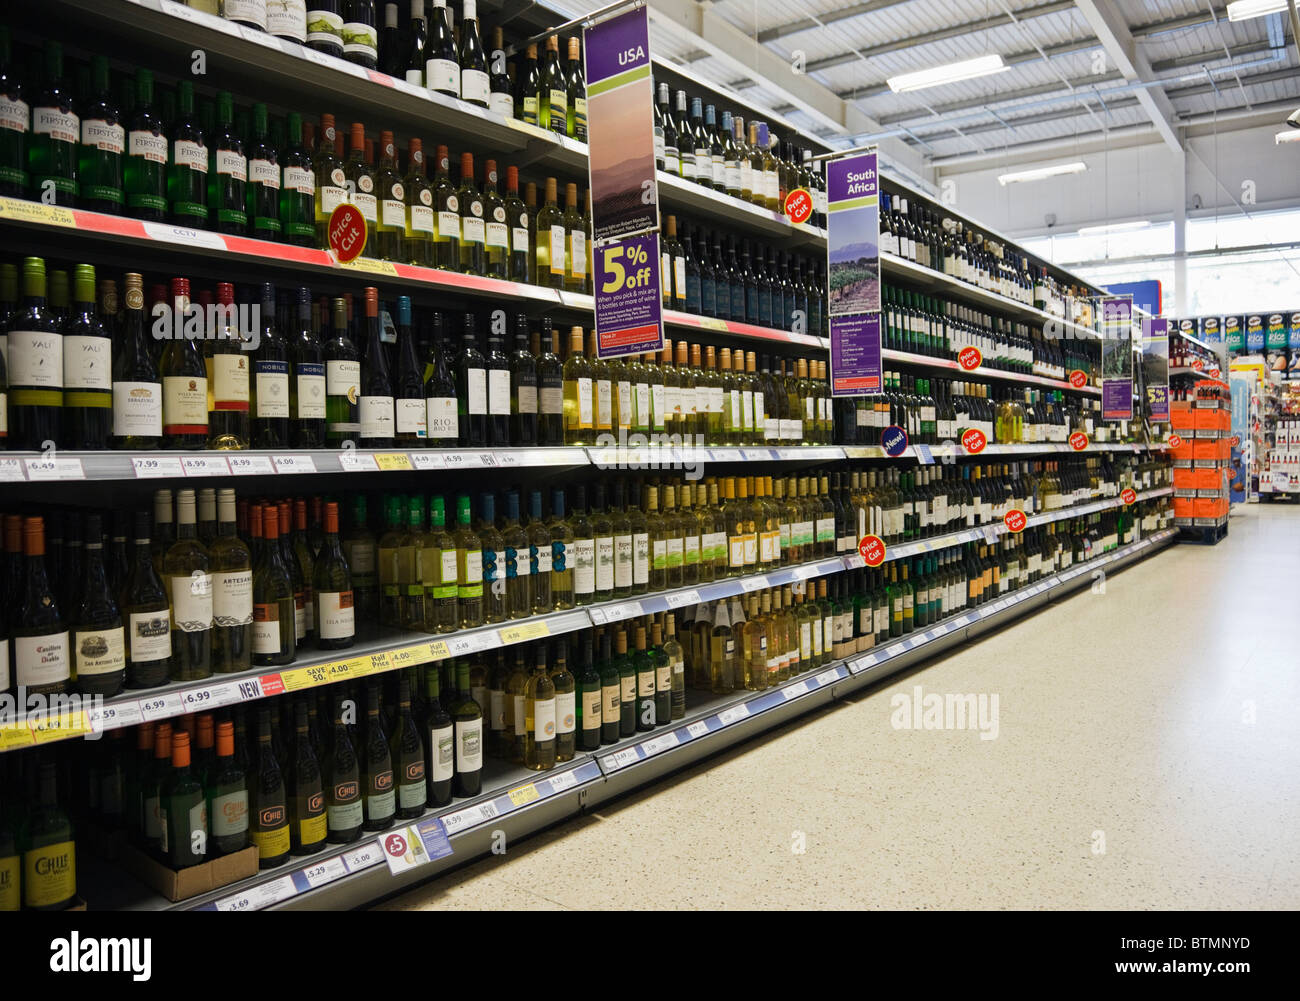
[{"x": 458, "y": 821}]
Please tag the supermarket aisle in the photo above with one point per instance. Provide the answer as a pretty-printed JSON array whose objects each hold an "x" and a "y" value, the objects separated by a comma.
[{"x": 1155, "y": 720}]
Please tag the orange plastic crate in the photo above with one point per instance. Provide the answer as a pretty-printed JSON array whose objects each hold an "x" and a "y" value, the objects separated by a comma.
[
  {"x": 1183, "y": 507},
  {"x": 1184, "y": 449},
  {"x": 1205, "y": 448}
]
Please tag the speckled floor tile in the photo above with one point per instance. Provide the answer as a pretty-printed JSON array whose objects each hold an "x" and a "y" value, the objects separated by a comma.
[{"x": 1155, "y": 719}]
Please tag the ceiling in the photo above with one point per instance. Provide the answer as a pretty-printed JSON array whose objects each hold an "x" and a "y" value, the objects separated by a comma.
[{"x": 1081, "y": 71}]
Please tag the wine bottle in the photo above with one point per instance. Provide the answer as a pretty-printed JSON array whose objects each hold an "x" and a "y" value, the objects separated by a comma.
[
  {"x": 467, "y": 722},
  {"x": 420, "y": 224},
  {"x": 307, "y": 394},
  {"x": 360, "y": 178},
  {"x": 274, "y": 629},
  {"x": 182, "y": 811},
  {"x": 268, "y": 827},
  {"x": 98, "y": 643},
  {"x": 226, "y": 793},
  {"x": 407, "y": 751},
  {"x": 471, "y": 388},
  {"x": 446, "y": 246},
  {"x": 501, "y": 100},
  {"x": 417, "y": 35},
  {"x": 271, "y": 393},
  {"x": 145, "y": 610},
  {"x": 344, "y": 810},
  {"x": 587, "y": 686},
  {"x": 523, "y": 387},
  {"x": 187, "y": 172},
  {"x": 391, "y": 59},
  {"x": 528, "y": 77},
  {"x": 227, "y": 171},
  {"x": 441, "y": 574},
  {"x": 376, "y": 386},
  {"x": 410, "y": 411},
  {"x": 443, "y": 422},
  {"x": 35, "y": 365},
  {"x": 379, "y": 796},
  {"x": 497, "y": 229},
  {"x": 520, "y": 255},
  {"x": 306, "y": 792},
  {"x": 441, "y": 67},
  {"x": 575, "y": 243},
  {"x": 42, "y": 658},
  {"x": 264, "y": 179},
  {"x": 497, "y": 369},
  {"x": 439, "y": 742},
  {"x": 553, "y": 94},
  {"x": 331, "y": 179},
  {"x": 579, "y": 419},
  {"x": 550, "y": 387},
  {"x": 136, "y": 389},
  {"x": 186, "y": 571},
  {"x": 576, "y": 90},
  {"x": 566, "y": 719},
  {"x": 87, "y": 369},
  {"x": 360, "y": 38},
  {"x": 474, "y": 84},
  {"x": 48, "y": 848},
  {"x": 342, "y": 383},
  {"x": 15, "y": 121},
  {"x": 56, "y": 129},
  {"x": 473, "y": 235},
  {"x": 332, "y": 589},
  {"x": 391, "y": 227},
  {"x": 227, "y": 365}
]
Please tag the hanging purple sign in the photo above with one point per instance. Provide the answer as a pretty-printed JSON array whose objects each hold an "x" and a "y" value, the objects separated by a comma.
[
  {"x": 620, "y": 126},
  {"x": 1116, "y": 314},
  {"x": 1155, "y": 367},
  {"x": 629, "y": 304},
  {"x": 853, "y": 274}
]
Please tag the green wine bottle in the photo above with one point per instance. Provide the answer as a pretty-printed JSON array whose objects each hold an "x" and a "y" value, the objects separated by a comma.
[
  {"x": 49, "y": 851},
  {"x": 182, "y": 811},
  {"x": 269, "y": 820},
  {"x": 308, "y": 824},
  {"x": 407, "y": 751},
  {"x": 227, "y": 797}
]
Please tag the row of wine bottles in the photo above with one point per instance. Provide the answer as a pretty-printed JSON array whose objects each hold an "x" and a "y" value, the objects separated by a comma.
[
  {"x": 279, "y": 369},
  {"x": 298, "y": 773}
]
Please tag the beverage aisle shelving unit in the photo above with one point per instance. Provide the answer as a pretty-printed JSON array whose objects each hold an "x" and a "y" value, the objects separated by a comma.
[{"x": 516, "y": 800}]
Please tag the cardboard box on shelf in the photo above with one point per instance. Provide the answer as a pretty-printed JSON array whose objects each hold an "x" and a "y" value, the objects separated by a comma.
[{"x": 196, "y": 879}]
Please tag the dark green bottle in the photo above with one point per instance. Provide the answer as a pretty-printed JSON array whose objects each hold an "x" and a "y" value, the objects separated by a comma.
[
  {"x": 269, "y": 815},
  {"x": 343, "y": 806},
  {"x": 588, "y": 685},
  {"x": 263, "y": 188},
  {"x": 15, "y": 126},
  {"x": 377, "y": 767},
  {"x": 227, "y": 171},
  {"x": 102, "y": 146},
  {"x": 49, "y": 851},
  {"x": 187, "y": 174},
  {"x": 183, "y": 811},
  {"x": 308, "y": 825},
  {"x": 407, "y": 751},
  {"x": 146, "y": 155},
  {"x": 55, "y": 137},
  {"x": 227, "y": 796}
]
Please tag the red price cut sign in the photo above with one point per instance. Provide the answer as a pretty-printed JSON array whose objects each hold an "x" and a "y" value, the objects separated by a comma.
[
  {"x": 973, "y": 441},
  {"x": 1015, "y": 520},
  {"x": 1215, "y": 373},
  {"x": 1175, "y": 441},
  {"x": 872, "y": 548},
  {"x": 1078, "y": 378},
  {"x": 1198, "y": 364},
  {"x": 347, "y": 233},
  {"x": 1078, "y": 441},
  {"x": 798, "y": 205},
  {"x": 1128, "y": 495},
  {"x": 1234, "y": 441},
  {"x": 970, "y": 359}
]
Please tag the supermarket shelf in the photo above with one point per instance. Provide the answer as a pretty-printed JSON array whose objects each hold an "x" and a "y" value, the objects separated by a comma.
[
  {"x": 927, "y": 454},
  {"x": 947, "y": 364},
  {"x": 254, "y": 62},
  {"x": 722, "y": 208},
  {"x": 674, "y": 318},
  {"x": 1198, "y": 373},
  {"x": 935, "y": 281},
  {"x": 517, "y": 802},
  {"x": 1173, "y": 331},
  {"x": 672, "y": 457}
]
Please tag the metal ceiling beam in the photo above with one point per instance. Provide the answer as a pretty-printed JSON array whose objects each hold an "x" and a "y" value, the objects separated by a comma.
[
  {"x": 1114, "y": 35},
  {"x": 808, "y": 23},
  {"x": 939, "y": 35},
  {"x": 703, "y": 28}
]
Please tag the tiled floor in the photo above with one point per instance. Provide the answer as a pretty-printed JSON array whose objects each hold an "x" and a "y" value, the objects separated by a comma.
[{"x": 1147, "y": 756}]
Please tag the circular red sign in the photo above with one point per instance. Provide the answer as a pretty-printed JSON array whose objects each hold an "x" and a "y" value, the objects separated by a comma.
[
  {"x": 1078, "y": 441},
  {"x": 347, "y": 232},
  {"x": 872, "y": 548},
  {"x": 1128, "y": 495},
  {"x": 1215, "y": 373},
  {"x": 1078, "y": 378},
  {"x": 1198, "y": 363},
  {"x": 395, "y": 845},
  {"x": 973, "y": 441},
  {"x": 798, "y": 205},
  {"x": 1175, "y": 440},
  {"x": 1234, "y": 441},
  {"x": 970, "y": 359},
  {"x": 1015, "y": 520}
]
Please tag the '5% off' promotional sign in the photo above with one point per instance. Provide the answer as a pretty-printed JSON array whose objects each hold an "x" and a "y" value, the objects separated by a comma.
[{"x": 629, "y": 305}]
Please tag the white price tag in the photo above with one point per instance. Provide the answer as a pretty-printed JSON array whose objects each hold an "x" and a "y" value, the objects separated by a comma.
[
  {"x": 55, "y": 468},
  {"x": 729, "y": 716},
  {"x": 795, "y": 690},
  {"x": 894, "y": 649},
  {"x": 224, "y": 694},
  {"x": 179, "y": 10},
  {"x": 428, "y": 460},
  {"x": 273, "y": 893},
  {"x": 617, "y": 613},
  {"x": 510, "y": 459},
  {"x": 364, "y": 857},
  {"x": 565, "y": 780},
  {"x": 753, "y": 583},
  {"x": 621, "y": 759},
  {"x": 682, "y": 598},
  {"x": 803, "y": 573},
  {"x": 325, "y": 872},
  {"x": 250, "y": 465},
  {"x": 990, "y": 534},
  {"x": 724, "y": 454},
  {"x": 196, "y": 700},
  {"x": 828, "y": 677},
  {"x": 161, "y": 707},
  {"x": 452, "y": 823},
  {"x": 403, "y": 850},
  {"x": 294, "y": 463},
  {"x": 697, "y": 729},
  {"x": 205, "y": 465},
  {"x": 862, "y": 663},
  {"x": 114, "y": 717},
  {"x": 165, "y": 233},
  {"x": 351, "y": 461},
  {"x": 10, "y": 470},
  {"x": 239, "y": 902},
  {"x": 661, "y": 743},
  {"x": 939, "y": 631},
  {"x": 152, "y": 466}
]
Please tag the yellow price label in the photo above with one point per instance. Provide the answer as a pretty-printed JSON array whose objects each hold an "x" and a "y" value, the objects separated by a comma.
[
  {"x": 393, "y": 461},
  {"x": 306, "y": 677},
  {"x": 358, "y": 667},
  {"x": 407, "y": 656},
  {"x": 370, "y": 265},
  {"x": 379, "y": 662},
  {"x": 531, "y": 130},
  {"x": 23, "y": 211},
  {"x": 438, "y": 650},
  {"x": 522, "y": 634},
  {"x": 524, "y": 795},
  {"x": 61, "y": 727},
  {"x": 713, "y": 323},
  {"x": 15, "y": 735},
  {"x": 618, "y": 275}
]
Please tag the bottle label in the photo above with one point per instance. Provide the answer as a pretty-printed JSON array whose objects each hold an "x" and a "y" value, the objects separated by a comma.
[
  {"x": 540, "y": 557},
  {"x": 519, "y": 238},
  {"x": 604, "y": 405},
  {"x": 584, "y": 566},
  {"x": 58, "y": 125},
  {"x": 552, "y": 400},
  {"x": 474, "y": 86},
  {"x": 443, "y": 423},
  {"x": 442, "y": 75},
  {"x": 266, "y": 627},
  {"x": 472, "y": 228},
  {"x": 410, "y": 417},
  {"x": 299, "y": 180},
  {"x": 86, "y": 363},
  {"x": 229, "y": 814},
  {"x": 265, "y": 173},
  {"x": 422, "y": 217},
  {"x": 288, "y": 20},
  {"x": 469, "y": 745},
  {"x": 672, "y": 163},
  {"x": 359, "y": 39},
  {"x": 442, "y": 753},
  {"x": 544, "y": 718},
  {"x": 502, "y": 104},
  {"x": 331, "y": 197},
  {"x": 674, "y": 554},
  {"x": 611, "y": 703},
  {"x": 605, "y": 563},
  {"x": 335, "y": 618},
  {"x": 192, "y": 602},
  {"x": 35, "y": 360},
  {"x": 150, "y": 636},
  {"x": 736, "y": 551},
  {"x": 498, "y": 384},
  {"x": 272, "y": 383},
  {"x": 376, "y": 417},
  {"x": 640, "y": 559},
  {"x": 393, "y": 210},
  {"x": 590, "y": 709},
  {"x": 14, "y": 116},
  {"x": 230, "y": 382},
  {"x": 629, "y": 688},
  {"x": 659, "y": 560},
  {"x": 366, "y": 203},
  {"x": 343, "y": 378},
  {"x": 526, "y": 396},
  {"x": 558, "y": 237},
  {"x": 578, "y": 253},
  {"x": 664, "y": 678},
  {"x": 187, "y": 153},
  {"x": 6, "y": 680},
  {"x": 345, "y": 816},
  {"x": 137, "y": 409},
  {"x": 41, "y": 660},
  {"x": 99, "y": 651},
  {"x": 232, "y": 164},
  {"x": 622, "y": 561},
  {"x": 311, "y": 390},
  {"x": 50, "y": 874},
  {"x": 381, "y": 803}
]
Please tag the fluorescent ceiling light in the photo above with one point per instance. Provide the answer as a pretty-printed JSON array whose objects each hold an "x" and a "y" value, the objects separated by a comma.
[
  {"x": 951, "y": 73},
  {"x": 1114, "y": 227},
  {"x": 1038, "y": 173},
  {"x": 1242, "y": 10},
  {"x": 1289, "y": 136}
]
